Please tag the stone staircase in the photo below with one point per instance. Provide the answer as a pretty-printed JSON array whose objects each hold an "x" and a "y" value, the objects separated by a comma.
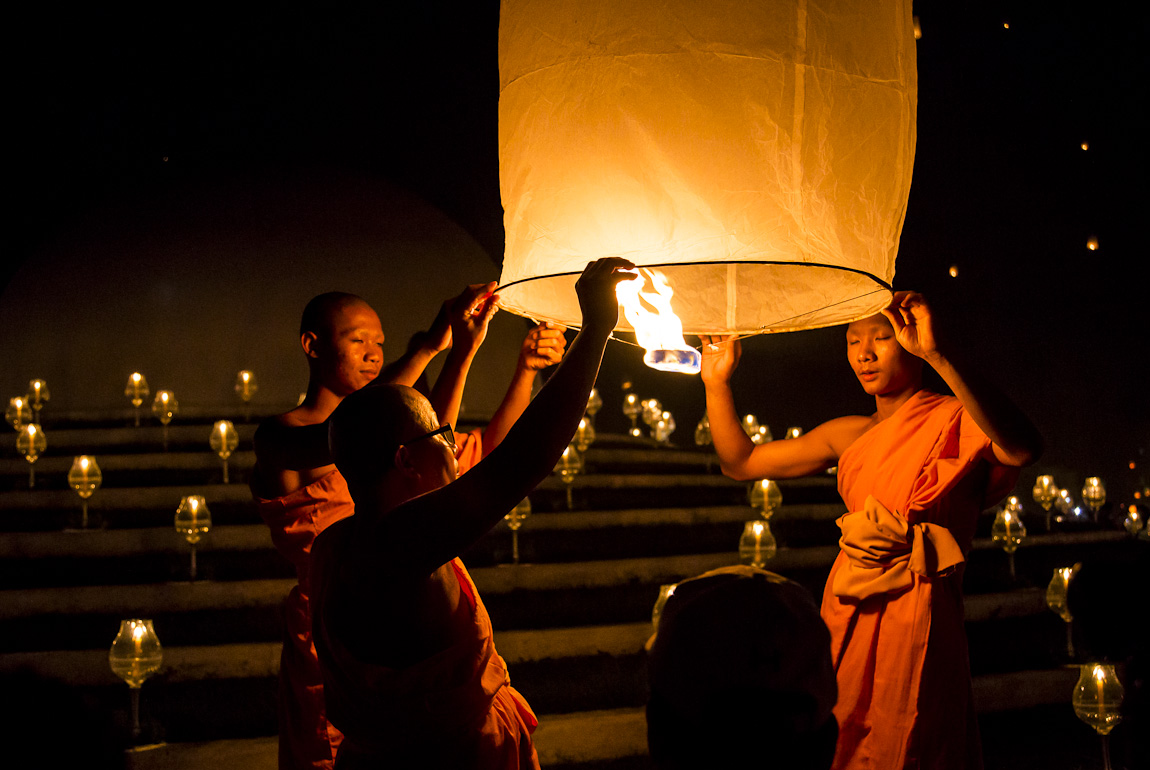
[{"x": 571, "y": 619}]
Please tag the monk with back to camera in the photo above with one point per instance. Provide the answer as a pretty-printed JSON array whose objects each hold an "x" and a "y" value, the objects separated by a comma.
[
  {"x": 914, "y": 475},
  {"x": 299, "y": 492},
  {"x": 411, "y": 675}
]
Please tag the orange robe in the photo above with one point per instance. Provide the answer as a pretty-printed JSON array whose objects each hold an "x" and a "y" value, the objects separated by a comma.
[
  {"x": 914, "y": 485},
  {"x": 307, "y": 740},
  {"x": 454, "y": 709}
]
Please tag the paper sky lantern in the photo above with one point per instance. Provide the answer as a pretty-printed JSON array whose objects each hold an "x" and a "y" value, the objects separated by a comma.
[{"x": 758, "y": 154}]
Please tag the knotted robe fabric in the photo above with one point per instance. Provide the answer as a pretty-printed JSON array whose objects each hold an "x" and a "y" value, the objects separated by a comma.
[{"x": 915, "y": 484}]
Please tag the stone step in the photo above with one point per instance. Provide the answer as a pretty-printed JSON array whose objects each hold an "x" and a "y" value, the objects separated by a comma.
[{"x": 1033, "y": 706}]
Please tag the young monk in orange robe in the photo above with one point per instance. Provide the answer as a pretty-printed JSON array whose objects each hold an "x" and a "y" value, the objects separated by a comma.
[
  {"x": 411, "y": 675},
  {"x": 299, "y": 493},
  {"x": 914, "y": 476}
]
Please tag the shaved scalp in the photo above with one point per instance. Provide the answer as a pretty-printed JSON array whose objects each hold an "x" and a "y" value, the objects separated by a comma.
[
  {"x": 319, "y": 312},
  {"x": 370, "y": 424}
]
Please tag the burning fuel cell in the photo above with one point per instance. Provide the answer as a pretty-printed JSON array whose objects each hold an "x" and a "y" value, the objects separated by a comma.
[{"x": 657, "y": 329}]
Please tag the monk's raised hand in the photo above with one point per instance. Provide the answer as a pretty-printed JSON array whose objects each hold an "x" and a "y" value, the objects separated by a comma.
[
  {"x": 910, "y": 316},
  {"x": 542, "y": 347},
  {"x": 720, "y": 357},
  {"x": 439, "y": 335},
  {"x": 596, "y": 289},
  {"x": 470, "y": 313}
]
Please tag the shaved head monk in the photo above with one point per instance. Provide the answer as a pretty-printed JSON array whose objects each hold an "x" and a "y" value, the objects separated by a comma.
[
  {"x": 914, "y": 475},
  {"x": 411, "y": 674},
  {"x": 299, "y": 492}
]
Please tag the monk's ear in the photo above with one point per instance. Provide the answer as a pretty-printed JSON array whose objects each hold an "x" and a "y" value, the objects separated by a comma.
[
  {"x": 309, "y": 341},
  {"x": 403, "y": 462}
]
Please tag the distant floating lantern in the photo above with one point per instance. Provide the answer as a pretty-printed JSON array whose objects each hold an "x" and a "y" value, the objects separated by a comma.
[
  {"x": 1092, "y": 244},
  {"x": 1085, "y": 146},
  {"x": 953, "y": 271},
  {"x": 760, "y": 159},
  {"x": 136, "y": 391}
]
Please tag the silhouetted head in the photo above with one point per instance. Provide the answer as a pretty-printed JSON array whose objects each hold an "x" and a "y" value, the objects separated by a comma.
[
  {"x": 741, "y": 676},
  {"x": 343, "y": 340},
  {"x": 882, "y": 365},
  {"x": 387, "y": 434}
]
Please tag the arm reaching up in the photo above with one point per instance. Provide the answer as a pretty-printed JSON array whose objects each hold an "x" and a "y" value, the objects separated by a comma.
[{"x": 542, "y": 347}]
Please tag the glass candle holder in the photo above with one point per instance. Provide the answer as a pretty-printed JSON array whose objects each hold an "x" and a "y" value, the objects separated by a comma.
[
  {"x": 134, "y": 656},
  {"x": 757, "y": 544},
  {"x": 794, "y": 432},
  {"x": 1008, "y": 531},
  {"x": 1056, "y": 593},
  {"x": 1134, "y": 522},
  {"x": 763, "y": 435},
  {"x": 18, "y": 413},
  {"x": 584, "y": 434},
  {"x": 663, "y": 428},
  {"x": 569, "y": 466},
  {"x": 38, "y": 395},
  {"x": 84, "y": 478},
  {"x": 193, "y": 521},
  {"x": 703, "y": 431},
  {"x": 632, "y": 409},
  {"x": 136, "y": 391},
  {"x": 245, "y": 389},
  {"x": 1097, "y": 701},
  {"x": 31, "y": 442},
  {"x": 1094, "y": 494},
  {"x": 765, "y": 497},
  {"x": 594, "y": 404},
  {"x": 223, "y": 442},
  {"x": 165, "y": 407},
  {"x": 514, "y": 519},
  {"x": 1045, "y": 491}
]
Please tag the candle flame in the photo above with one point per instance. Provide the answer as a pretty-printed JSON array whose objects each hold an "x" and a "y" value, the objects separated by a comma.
[
  {"x": 135, "y": 377},
  {"x": 757, "y": 527},
  {"x": 138, "y": 631},
  {"x": 84, "y": 463},
  {"x": 659, "y": 332}
]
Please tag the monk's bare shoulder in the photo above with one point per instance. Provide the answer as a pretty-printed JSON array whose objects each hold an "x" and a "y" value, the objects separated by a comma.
[{"x": 841, "y": 432}]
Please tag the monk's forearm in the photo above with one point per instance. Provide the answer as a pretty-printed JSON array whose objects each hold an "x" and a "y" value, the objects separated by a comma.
[
  {"x": 732, "y": 444},
  {"x": 447, "y": 394},
  {"x": 1000, "y": 419},
  {"x": 516, "y": 399}
]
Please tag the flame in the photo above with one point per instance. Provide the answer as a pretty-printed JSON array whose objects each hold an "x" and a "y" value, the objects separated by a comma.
[{"x": 659, "y": 332}]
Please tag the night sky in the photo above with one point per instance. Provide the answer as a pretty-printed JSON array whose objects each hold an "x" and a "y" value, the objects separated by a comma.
[{"x": 110, "y": 106}]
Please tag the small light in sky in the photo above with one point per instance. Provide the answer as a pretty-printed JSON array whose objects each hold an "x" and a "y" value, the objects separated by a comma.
[
  {"x": 1006, "y": 25},
  {"x": 165, "y": 159},
  {"x": 1092, "y": 244},
  {"x": 954, "y": 271},
  {"x": 917, "y": 29},
  {"x": 1085, "y": 146},
  {"x": 1132, "y": 466}
]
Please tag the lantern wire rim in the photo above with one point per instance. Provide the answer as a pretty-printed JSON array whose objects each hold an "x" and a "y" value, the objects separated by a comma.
[{"x": 765, "y": 328}]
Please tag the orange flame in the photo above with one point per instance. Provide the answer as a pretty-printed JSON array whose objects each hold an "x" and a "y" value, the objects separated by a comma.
[{"x": 659, "y": 332}]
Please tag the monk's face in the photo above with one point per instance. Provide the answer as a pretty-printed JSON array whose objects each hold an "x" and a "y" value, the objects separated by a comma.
[
  {"x": 881, "y": 364},
  {"x": 352, "y": 354}
]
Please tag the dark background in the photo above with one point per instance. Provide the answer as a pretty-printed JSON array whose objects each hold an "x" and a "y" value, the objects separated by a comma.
[{"x": 107, "y": 106}]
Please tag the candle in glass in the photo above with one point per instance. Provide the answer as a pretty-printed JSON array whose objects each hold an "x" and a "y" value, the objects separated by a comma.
[
  {"x": 18, "y": 412},
  {"x": 85, "y": 478},
  {"x": 514, "y": 520},
  {"x": 134, "y": 656},
  {"x": 766, "y": 497},
  {"x": 31, "y": 442},
  {"x": 1094, "y": 494},
  {"x": 193, "y": 521},
  {"x": 757, "y": 543},
  {"x": 663, "y": 428},
  {"x": 569, "y": 466},
  {"x": 794, "y": 432},
  {"x": 136, "y": 391},
  {"x": 1044, "y": 492},
  {"x": 245, "y": 389},
  {"x": 632, "y": 409},
  {"x": 1008, "y": 531},
  {"x": 1097, "y": 701},
  {"x": 1056, "y": 600},
  {"x": 594, "y": 404},
  {"x": 1134, "y": 521},
  {"x": 223, "y": 442},
  {"x": 703, "y": 431},
  {"x": 584, "y": 434},
  {"x": 38, "y": 395},
  {"x": 164, "y": 407}
]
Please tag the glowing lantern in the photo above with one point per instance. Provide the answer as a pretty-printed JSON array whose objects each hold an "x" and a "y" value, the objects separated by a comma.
[
  {"x": 193, "y": 521},
  {"x": 223, "y": 442},
  {"x": 1056, "y": 599},
  {"x": 136, "y": 391},
  {"x": 1008, "y": 531},
  {"x": 1097, "y": 701},
  {"x": 85, "y": 477},
  {"x": 135, "y": 655},
  {"x": 757, "y": 544},
  {"x": 766, "y": 497},
  {"x": 758, "y": 154}
]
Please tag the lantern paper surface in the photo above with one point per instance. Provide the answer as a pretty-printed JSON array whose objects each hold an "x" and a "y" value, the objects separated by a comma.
[{"x": 759, "y": 153}]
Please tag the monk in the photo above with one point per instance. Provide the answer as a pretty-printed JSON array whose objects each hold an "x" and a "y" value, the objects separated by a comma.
[
  {"x": 299, "y": 492},
  {"x": 411, "y": 674},
  {"x": 914, "y": 475}
]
